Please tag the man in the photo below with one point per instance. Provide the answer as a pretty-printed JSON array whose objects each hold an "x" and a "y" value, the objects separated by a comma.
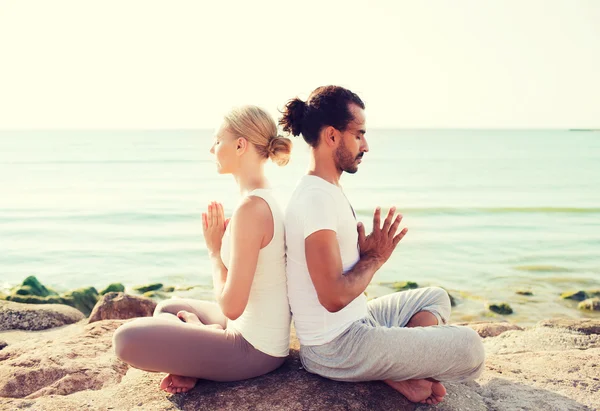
[{"x": 400, "y": 338}]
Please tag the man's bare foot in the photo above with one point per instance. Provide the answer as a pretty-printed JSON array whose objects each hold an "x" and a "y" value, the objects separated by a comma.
[
  {"x": 176, "y": 384},
  {"x": 423, "y": 391},
  {"x": 191, "y": 318}
]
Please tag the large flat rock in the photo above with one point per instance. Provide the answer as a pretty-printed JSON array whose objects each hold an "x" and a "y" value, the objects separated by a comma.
[
  {"x": 546, "y": 367},
  {"x": 18, "y": 316}
]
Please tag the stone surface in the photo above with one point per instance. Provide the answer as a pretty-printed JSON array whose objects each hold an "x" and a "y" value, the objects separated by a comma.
[
  {"x": 3, "y": 344},
  {"x": 17, "y": 316},
  {"x": 120, "y": 306},
  {"x": 552, "y": 366},
  {"x": 491, "y": 329}
]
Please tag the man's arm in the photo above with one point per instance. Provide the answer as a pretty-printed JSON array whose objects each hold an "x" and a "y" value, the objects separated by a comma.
[{"x": 336, "y": 289}]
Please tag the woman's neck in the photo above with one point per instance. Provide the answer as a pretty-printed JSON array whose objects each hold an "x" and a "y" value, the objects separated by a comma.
[{"x": 250, "y": 179}]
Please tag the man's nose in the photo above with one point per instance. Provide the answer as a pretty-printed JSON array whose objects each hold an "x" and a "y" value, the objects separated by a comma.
[{"x": 365, "y": 147}]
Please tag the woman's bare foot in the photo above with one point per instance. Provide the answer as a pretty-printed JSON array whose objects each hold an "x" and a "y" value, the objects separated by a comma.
[
  {"x": 423, "y": 391},
  {"x": 191, "y": 318},
  {"x": 176, "y": 384}
]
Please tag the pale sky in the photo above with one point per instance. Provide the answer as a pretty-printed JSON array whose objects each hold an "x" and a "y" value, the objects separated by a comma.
[{"x": 117, "y": 64}]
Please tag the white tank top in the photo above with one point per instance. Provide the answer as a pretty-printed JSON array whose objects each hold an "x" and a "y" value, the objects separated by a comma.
[{"x": 265, "y": 323}]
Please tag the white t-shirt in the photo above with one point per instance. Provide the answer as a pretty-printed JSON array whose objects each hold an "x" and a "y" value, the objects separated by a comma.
[
  {"x": 319, "y": 205},
  {"x": 265, "y": 323}
]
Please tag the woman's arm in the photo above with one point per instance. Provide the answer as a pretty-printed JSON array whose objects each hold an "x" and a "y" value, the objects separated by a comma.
[{"x": 251, "y": 223}]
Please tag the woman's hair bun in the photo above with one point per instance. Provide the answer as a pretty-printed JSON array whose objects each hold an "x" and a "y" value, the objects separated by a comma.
[
  {"x": 279, "y": 149},
  {"x": 293, "y": 116}
]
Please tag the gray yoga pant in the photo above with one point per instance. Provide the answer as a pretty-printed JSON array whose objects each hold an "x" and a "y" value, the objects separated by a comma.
[
  {"x": 164, "y": 343},
  {"x": 380, "y": 347}
]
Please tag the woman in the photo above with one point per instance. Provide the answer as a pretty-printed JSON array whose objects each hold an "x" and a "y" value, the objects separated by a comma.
[{"x": 246, "y": 332}]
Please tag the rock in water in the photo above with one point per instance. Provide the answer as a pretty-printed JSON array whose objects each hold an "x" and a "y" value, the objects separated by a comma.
[
  {"x": 503, "y": 308},
  {"x": 591, "y": 304},
  {"x": 574, "y": 295},
  {"x": 122, "y": 306},
  {"x": 114, "y": 287},
  {"x": 150, "y": 287},
  {"x": 17, "y": 316}
]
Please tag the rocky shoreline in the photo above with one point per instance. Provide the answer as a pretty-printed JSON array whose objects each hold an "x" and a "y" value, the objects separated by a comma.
[{"x": 55, "y": 357}]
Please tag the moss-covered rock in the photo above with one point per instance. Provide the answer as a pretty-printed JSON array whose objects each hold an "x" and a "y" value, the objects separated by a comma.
[
  {"x": 593, "y": 293},
  {"x": 168, "y": 289},
  {"x": 37, "y": 287},
  {"x": 84, "y": 299},
  {"x": 156, "y": 295},
  {"x": 150, "y": 287},
  {"x": 114, "y": 287},
  {"x": 574, "y": 295},
  {"x": 591, "y": 304},
  {"x": 34, "y": 299},
  {"x": 32, "y": 286},
  {"x": 502, "y": 308},
  {"x": 452, "y": 300},
  {"x": 523, "y": 292},
  {"x": 401, "y": 285}
]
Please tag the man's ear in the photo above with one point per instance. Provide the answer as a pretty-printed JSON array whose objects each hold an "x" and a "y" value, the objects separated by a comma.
[{"x": 331, "y": 136}]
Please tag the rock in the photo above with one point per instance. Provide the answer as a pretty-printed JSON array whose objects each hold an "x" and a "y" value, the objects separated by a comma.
[
  {"x": 158, "y": 295},
  {"x": 37, "y": 288},
  {"x": 114, "y": 287},
  {"x": 401, "y": 285},
  {"x": 527, "y": 293},
  {"x": 591, "y": 304},
  {"x": 61, "y": 365},
  {"x": 542, "y": 368},
  {"x": 168, "y": 289},
  {"x": 121, "y": 306},
  {"x": 17, "y": 316},
  {"x": 583, "y": 326},
  {"x": 3, "y": 344},
  {"x": 491, "y": 329},
  {"x": 574, "y": 295},
  {"x": 84, "y": 299},
  {"x": 150, "y": 287},
  {"x": 593, "y": 293},
  {"x": 503, "y": 308}
]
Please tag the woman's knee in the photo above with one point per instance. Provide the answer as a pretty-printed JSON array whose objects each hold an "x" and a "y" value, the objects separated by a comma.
[
  {"x": 126, "y": 341},
  {"x": 167, "y": 306}
]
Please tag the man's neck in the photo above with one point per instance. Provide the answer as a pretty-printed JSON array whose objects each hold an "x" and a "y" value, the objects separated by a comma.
[{"x": 324, "y": 168}]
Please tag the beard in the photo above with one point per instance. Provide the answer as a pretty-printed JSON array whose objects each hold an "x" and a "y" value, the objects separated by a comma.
[{"x": 345, "y": 160}]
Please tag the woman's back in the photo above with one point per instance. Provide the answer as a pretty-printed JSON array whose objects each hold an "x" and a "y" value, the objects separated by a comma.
[{"x": 265, "y": 322}]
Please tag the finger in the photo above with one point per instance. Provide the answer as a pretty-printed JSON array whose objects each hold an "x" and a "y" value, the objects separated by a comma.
[
  {"x": 204, "y": 221},
  {"x": 377, "y": 219},
  {"x": 213, "y": 217},
  {"x": 361, "y": 233},
  {"x": 400, "y": 236},
  {"x": 221, "y": 215},
  {"x": 394, "y": 226},
  {"x": 388, "y": 220},
  {"x": 227, "y": 222}
]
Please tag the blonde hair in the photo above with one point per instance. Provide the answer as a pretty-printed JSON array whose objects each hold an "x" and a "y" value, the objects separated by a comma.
[{"x": 258, "y": 127}]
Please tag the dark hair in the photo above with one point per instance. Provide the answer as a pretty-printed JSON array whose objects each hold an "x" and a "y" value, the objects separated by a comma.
[{"x": 326, "y": 106}]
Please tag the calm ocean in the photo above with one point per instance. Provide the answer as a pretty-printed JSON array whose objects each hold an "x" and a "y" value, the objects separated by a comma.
[{"x": 489, "y": 212}]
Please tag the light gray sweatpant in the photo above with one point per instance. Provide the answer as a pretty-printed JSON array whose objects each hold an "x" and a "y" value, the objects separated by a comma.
[
  {"x": 380, "y": 347},
  {"x": 164, "y": 343}
]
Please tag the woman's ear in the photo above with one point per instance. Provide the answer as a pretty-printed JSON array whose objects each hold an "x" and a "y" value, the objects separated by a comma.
[{"x": 242, "y": 144}]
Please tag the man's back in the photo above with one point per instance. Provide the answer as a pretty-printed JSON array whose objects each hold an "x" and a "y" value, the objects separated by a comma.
[{"x": 319, "y": 205}]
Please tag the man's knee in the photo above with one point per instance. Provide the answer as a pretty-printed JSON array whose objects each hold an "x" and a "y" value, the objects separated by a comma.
[
  {"x": 474, "y": 354},
  {"x": 441, "y": 300}
]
